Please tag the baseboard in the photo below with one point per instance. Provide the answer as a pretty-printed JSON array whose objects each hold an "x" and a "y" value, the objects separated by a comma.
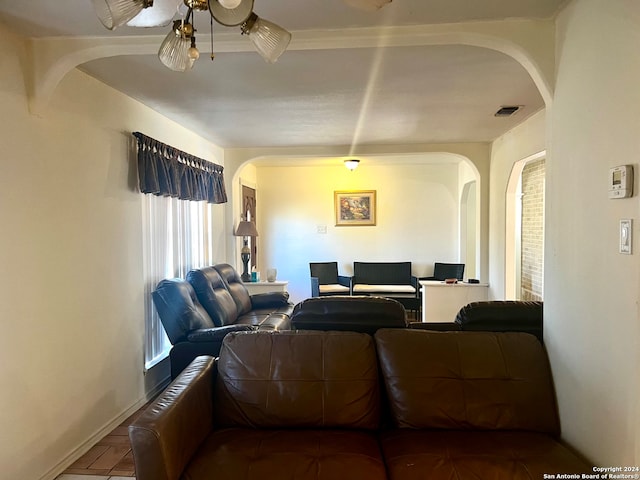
[{"x": 61, "y": 466}]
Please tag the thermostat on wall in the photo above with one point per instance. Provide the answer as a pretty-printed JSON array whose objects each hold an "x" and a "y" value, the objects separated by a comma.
[{"x": 621, "y": 181}]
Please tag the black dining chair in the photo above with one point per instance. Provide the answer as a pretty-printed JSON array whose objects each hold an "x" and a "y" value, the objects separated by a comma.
[
  {"x": 325, "y": 280},
  {"x": 443, "y": 271}
]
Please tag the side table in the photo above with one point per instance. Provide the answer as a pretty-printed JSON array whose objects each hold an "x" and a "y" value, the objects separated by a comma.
[{"x": 266, "y": 287}]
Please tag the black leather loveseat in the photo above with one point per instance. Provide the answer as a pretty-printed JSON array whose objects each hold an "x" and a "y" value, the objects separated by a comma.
[{"x": 198, "y": 312}]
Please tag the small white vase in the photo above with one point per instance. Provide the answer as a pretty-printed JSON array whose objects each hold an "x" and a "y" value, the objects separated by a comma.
[{"x": 272, "y": 273}]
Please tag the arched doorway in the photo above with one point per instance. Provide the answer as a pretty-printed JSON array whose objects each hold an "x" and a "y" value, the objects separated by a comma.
[{"x": 524, "y": 241}]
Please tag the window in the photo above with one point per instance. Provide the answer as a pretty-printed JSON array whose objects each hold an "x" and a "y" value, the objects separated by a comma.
[{"x": 177, "y": 237}]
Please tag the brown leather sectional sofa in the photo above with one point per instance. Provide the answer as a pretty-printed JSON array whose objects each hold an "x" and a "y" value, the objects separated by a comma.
[{"x": 403, "y": 405}]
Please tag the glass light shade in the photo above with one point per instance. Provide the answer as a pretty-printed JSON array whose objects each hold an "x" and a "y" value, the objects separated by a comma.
[
  {"x": 229, "y": 3},
  {"x": 174, "y": 51},
  {"x": 269, "y": 39},
  {"x": 113, "y": 13},
  {"x": 159, "y": 15},
  {"x": 352, "y": 163}
]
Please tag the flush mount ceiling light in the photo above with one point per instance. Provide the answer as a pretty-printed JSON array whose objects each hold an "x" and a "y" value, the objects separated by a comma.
[
  {"x": 178, "y": 51},
  {"x": 352, "y": 163}
]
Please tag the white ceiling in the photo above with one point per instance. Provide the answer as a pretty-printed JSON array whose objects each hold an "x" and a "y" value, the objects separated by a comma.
[{"x": 329, "y": 96}]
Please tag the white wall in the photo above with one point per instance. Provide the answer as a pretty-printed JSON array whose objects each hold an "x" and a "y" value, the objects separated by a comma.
[
  {"x": 591, "y": 291},
  {"x": 71, "y": 293},
  {"x": 417, "y": 218}
]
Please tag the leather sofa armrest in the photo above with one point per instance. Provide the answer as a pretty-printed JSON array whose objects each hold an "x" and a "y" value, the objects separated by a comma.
[
  {"x": 172, "y": 428},
  {"x": 216, "y": 333},
  {"x": 270, "y": 299}
]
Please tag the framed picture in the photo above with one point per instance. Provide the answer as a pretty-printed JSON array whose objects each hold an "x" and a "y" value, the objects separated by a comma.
[{"x": 355, "y": 208}]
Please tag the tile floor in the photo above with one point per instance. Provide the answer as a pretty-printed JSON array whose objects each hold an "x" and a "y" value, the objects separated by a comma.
[
  {"x": 66, "y": 476},
  {"x": 109, "y": 459}
]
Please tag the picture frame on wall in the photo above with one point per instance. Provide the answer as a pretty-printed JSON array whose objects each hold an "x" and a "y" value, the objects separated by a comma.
[{"x": 355, "y": 208}]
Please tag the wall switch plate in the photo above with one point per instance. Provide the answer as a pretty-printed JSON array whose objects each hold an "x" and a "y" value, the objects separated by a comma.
[
  {"x": 626, "y": 228},
  {"x": 321, "y": 228}
]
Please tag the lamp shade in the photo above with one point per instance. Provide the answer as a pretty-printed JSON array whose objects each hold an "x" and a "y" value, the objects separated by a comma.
[
  {"x": 269, "y": 39},
  {"x": 174, "y": 50},
  {"x": 113, "y": 13},
  {"x": 246, "y": 229}
]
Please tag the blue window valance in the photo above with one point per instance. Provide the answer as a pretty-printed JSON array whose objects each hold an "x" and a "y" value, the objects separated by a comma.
[{"x": 166, "y": 171}]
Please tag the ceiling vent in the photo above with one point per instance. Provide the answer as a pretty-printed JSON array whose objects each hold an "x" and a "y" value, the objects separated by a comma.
[{"x": 508, "y": 110}]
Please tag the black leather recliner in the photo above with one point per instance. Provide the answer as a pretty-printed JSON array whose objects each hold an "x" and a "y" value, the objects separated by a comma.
[
  {"x": 198, "y": 312},
  {"x": 357, "y": 314},
  {"x": 502, "y": 316},
  {"x": 494, "y": 316}
]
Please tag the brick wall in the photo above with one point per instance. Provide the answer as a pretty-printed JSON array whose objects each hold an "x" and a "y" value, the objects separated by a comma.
[{"x": 532, "y": 248}]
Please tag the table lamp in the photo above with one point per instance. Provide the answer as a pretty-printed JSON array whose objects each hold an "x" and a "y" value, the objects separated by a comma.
[{"x": 246, "y": 229}]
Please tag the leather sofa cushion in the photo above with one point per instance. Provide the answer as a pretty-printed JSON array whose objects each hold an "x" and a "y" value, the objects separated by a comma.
[
  {"x": 179, "y": 309},
  {"x": 215, "y": 333},
  {"x": 467, "y": 380},
  {"x": 265, "y": 319},
  {"x": 236, "y": 288},
  {"x": 250, "y": 454},
  {"x": 213, "y": 295},
  {"x": 303, "y": 379},
  {"x": 443, "y": 455}
]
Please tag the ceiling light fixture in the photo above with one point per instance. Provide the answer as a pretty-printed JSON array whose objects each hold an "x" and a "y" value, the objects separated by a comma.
[
  {"x": 114, "y": 13},
  {"x": 178, "y": 51},
  {"x": 269, "y": 39},
  {"x": 229, "y": 3},
  {"x": 352, "y": 163}
]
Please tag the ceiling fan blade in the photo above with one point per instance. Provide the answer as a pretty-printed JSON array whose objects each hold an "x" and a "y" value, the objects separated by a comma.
[
  {"x": 370, "y": 5},
  {"x": 159, "y": 15}
]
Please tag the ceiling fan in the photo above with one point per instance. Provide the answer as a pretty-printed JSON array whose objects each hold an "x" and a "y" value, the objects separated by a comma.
[{"x": 178, "y": 51}]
